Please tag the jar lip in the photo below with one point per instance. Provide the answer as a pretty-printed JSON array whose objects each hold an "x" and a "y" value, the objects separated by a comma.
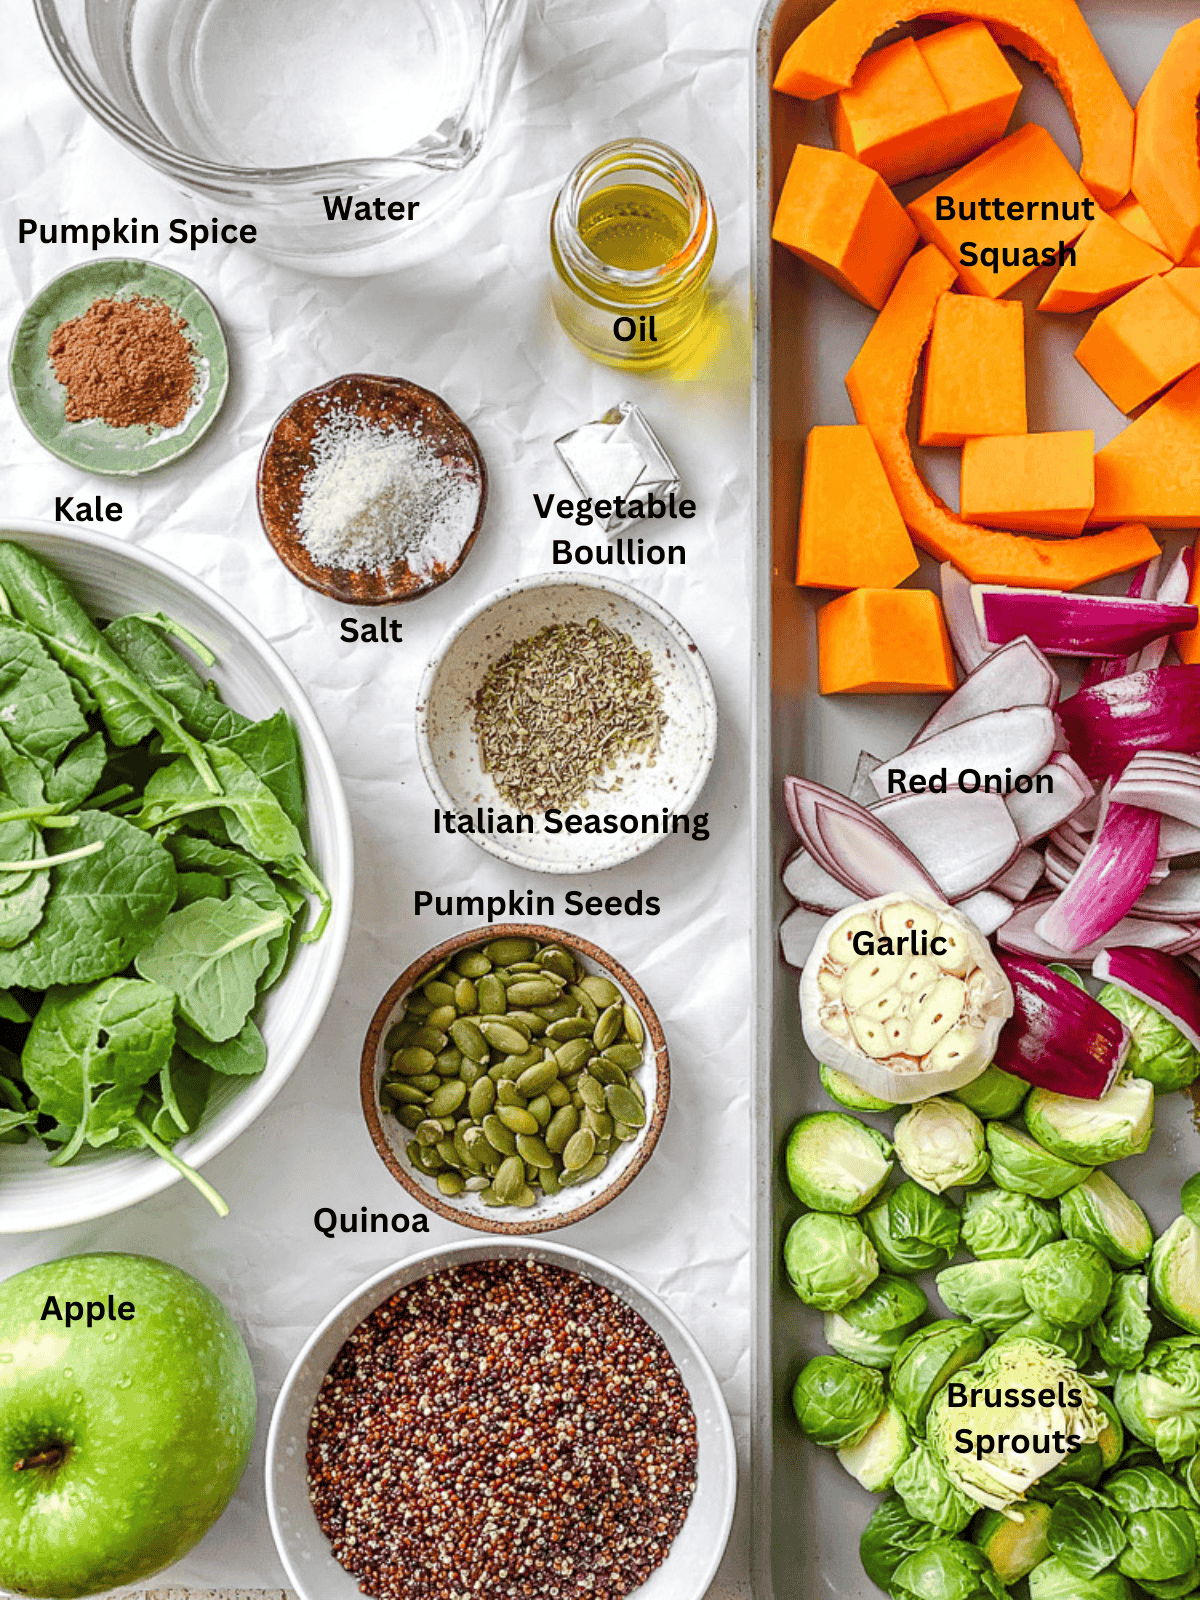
[{"x": 656, "y": 157}]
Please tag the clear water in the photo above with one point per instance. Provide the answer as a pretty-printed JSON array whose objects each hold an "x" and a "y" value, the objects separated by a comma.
[{"x": 275, "y": 83}]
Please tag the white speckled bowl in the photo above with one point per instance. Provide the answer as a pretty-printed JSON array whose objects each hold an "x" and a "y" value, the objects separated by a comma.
[
  {"x": 310, "y": 1564},
  {"x": 450, "y": 753}
]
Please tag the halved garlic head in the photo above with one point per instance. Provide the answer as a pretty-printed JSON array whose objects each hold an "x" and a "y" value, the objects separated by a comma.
[{"x": 904, "y": 996}]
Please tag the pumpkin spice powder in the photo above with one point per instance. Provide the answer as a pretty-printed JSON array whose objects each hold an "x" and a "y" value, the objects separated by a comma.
[{"x": 125, "y": 362}]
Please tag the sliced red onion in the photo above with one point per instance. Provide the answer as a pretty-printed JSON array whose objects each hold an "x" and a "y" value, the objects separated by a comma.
[
  {"x": 1058, "y": 1037},
  {"x": 1059, "y": 870},
  {"x": 1077, "y": 624},
  {"x": 1108, "y": 724},
  {"x": 1160, "y": 980},
  {"x": 1144, "y": 581},
  {"x": 862, "y": 791},
  {"x": 1020, "y": 878},
  {"x": 1108, "y": 881},
  {"x": 962, "y": 840},
  {"x": 1176, "y": 898},
  {"x": 1173, "y": 589},
  {"x": 1037, "y": 814},
  {"x": 1162, "y": 781},
  {"x": 1017, "y": 675},
  {"x": 1177, "y": 838},
  {"x": 962, "y": 624},
  {"x": 851, "y": 844},
  {"x": 798, "y": 933},
  {"x": 808, "y": 882},
  {"x": 987, "y": 910},
  {"x": 1021, "y": 736},
  {"x": 1019, "y": 935},
  {"x": 1070, "y": 843}
]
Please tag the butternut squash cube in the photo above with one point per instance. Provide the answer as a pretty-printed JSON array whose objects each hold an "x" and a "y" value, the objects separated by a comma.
[
  {"x": 1031, "y": 483},
  {"x": 1151, "y": 471},
  {"x": 1185, "y": 282},
  {"x": 1140, "y": 344},
  {"x": 1133, "y": 218},
  {"x": 1013, "y": 209},
  {"x": 1108, "y": 260},
  {"x": 974, "y": 370},
  {"x": 1166, "y": 166},
  {"x": 922, "y": 105},
  {"x": 851, "y": 530},
  {"x": 884, "y": 641},
  {"x": 842, "y": 218}
]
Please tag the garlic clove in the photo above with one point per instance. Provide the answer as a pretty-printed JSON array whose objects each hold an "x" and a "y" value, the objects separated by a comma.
[
  {"x": 841, "y": 946},
  {"x": 869, "y": 977},
  {"x": 941, "y": 1010},
  {"x": 908, "y": 917}
]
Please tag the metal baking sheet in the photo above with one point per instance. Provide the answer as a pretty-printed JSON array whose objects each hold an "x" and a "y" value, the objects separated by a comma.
[{"x": 808, "y": 1512}]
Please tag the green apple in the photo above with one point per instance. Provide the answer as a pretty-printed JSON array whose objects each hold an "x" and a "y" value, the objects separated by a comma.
[{"x": 123, "y": 1435}]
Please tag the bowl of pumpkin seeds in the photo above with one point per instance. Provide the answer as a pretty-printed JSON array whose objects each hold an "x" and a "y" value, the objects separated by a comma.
[{"x": 515, "y": 1079}]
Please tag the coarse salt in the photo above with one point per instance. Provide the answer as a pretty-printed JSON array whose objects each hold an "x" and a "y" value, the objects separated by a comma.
[{"x": 375, "y": 496}]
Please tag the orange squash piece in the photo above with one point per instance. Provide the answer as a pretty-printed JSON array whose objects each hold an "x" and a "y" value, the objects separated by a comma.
[
  {"x": 1166, "y": 164},
  {"x": 842, "y": 218},
  {"x": 1108, "y": 260},
  {"x": 1140, "y": 344},
  {"x": 974, "y": 371},
  {"x": 1025, "y": 173},
  {"x": 851, "y": 530},
  {"x": 1185, "y": 282},
  {"x": 1039, "y": 482},
  {"x": 1051, "y": 33},
  {"x": 926, "y": 104},
  {"x": 880, "y": 385},
  {"x": 884, "y": 641},
  {"x": 1133, "y": 219},
  {"x": 1151, "y": 471}
]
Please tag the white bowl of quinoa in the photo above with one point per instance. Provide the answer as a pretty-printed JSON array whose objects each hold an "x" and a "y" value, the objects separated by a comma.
[
  {"x": 567, "y": 725},
  {"x": 495, "y": 1419}
]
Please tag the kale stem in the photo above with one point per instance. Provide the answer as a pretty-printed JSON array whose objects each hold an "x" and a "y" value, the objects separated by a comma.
[
  {"x": 42, "y": 863},
  {"x": 168, "y": 1155},
  {"x": 97, "y": 802},
  {"x": 176, "y": 630},
  {"x": 305, "y": 875}
]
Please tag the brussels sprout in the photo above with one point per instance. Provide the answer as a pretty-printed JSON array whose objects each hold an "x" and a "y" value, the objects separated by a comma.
[
  {"x": 836, "y": 1163},
  {"x": 1189, "y": 1199},
  {"x": 1121, "y": 1330},
  {"x": 940, "y": 1143},
  {"x": 1014, "y": 1541},
  {"x": 1069, "y": 973},
  {"x": 841, "y": 1087},
  {"x": 1160, "y": 1402},
  {"x": 1156, "y": 1517},
  {"x": 1175, "y": 1274},
  {"x": 1020, "y": 1163},
  {"x": 829, "y": 1260},
  {"x": 1068, "y": 1282},
  {"x": 929, "y": 1358},
  {"x": 836, "y": 1401},
  {"x": 998, "y": 1222},
  {"x": 1191, "y": 1476},
  {"x": 872, "y": 1328},
  {"x": 1084, "y": 1533},
  {"x": 912, "y": 1230},
  {"x": 922, "y": 1483},
  {"x": 1136, "y": 1489},
  {"x": 1112, "y": 1440},
  {"x": 987, "y": 1292},
  {"x": 1074, "y": 1343},
  {"x": 880, "y": 1451},
  {"x": 1054, "y": 1580},
  {"x": 995, "y": 1093},
  {"x": 1158, "y": 1051},
  {"x": 891, "y": 1534},
  {"x": 1092, "y": 1132},
  {"x": 949, "y": 1569},
  {"x": 1083, "y": 1466},
  {"x": 1099, "y": 1212}
]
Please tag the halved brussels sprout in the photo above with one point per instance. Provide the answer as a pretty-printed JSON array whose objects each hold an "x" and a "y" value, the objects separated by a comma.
[
  {"x": 1160, "y": 1401},
  {"x": 836, "y": 1401},
  {"x": 1074, "y": 1343},
  {"x": 1158, "y": 1051},
  {"x": 1084, "y": 1531},
  {"x": 1189, "y": 1199},
  {"x": 1175, "y": 1274},
  {"x": 874, "y": 1460},
  {"x": 929, "y": 1358},
  {"x": 941, "y": 1143},
  {"x": 1092, "y": 1132},
  {"x": 922, "y": 1483},
  {"x": 912, "y": 1229},
  {"x": 1099, "y": 1212},
  {"x": 950, "y": 1569},
  {"x": 836, "y": 1163},
  {"x": 1014, "y": 1541},
  {"x": 1021, "y": 1164},
  {"x": 986, "y": 1292},
  {"x": 829, "y": 1260},
  {"x": 839, "y": 1086},
  {"x": 1122, "y": 1329},
  {"x": 1068, "y": 1282},
  {"x": 1160, "y": 1536},
  {"x": 872, "y": 1328},
  {"x": 1112, "y": 1440},
  {"x": 994, "y": 1093},
  {"x": 891, "y": 1535},
  {"x": 999, "y": 1222},
  {"x": 1054, "y": 1580}
]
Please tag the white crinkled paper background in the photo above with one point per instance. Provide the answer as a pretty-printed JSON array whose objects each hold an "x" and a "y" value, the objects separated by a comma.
[{"x": 475, "y": 327}]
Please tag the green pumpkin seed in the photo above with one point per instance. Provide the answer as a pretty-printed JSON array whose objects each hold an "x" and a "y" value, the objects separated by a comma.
[
  {"x": 429, "y": 1131},
  {"x": 445, "y": 1148},
  {"x": 587, "y": 1005},
  {"x": 636, "y": 1088},
  {"x": 425, "y": 1159},
  {"x": 606, "y": 1071},
  {"x": 527, "y": 1197},
  {"x": 608, "y": 1027},
  {"x": 558, "y": 1012},
  {"x": 577, "y": 1100},
  {"x": 592, "y": 1092},
  {"x": 558, "y": 1094},
  {"x": 404, "y": 1094},
  {"x": 490, "y": 1198},
  {"x": 412, "y": 1061},
  {"x": 448, "y": 1060},
  {"x": 633, "y": 1026},
  {"x": 448, "y": 1098},
  {"x": 561, "y": 1126},
  {"x": 472, "y": 963},
  {"x": 625, "y": 1131},
  {"x": 579, "y": 1150},
  {"x": 464, "y": 995},
  {"x": 504, "y": 952},
  {"x": 573, "y": 1055},
  {"x": 510, "y": 1179},
  {"x": 507, "y": 1093},
  {"x": 482, "y": 1098},
  {"x": 471, "y": 1071},
  {"x": 398, "y": 1035},
  {"x": 537, "y": 1079},
  {"x": 541, "y": 1110},
  {"x": 594, "y": 1167},
  {"x": 548, "y": 1178},
  {"x": 557, "y": 960},
  {"x": 600, "y": 1123},
  {"x": 475, "y": 1185},
  {"x": 410, "y": 1117},
  {"x": 572, "y": 1027},
  {"x": 438, "y": 993},
  {"x": 601, "y": 991},
  {"x": 531, "y": 1148},
  {"x": 533, "y": 992},
  {"x": 512, "y": 1038},
  {"x": 534, "y": 1025},
  {"x": 469, "y": 1039},
  {"x": 416, "y": 1006},
  {"x": 516, "y": 1119},
  {"x": 430, "y": 1082},
  {"x": 439, "y": 1019},
  {"x": 625, "y": 1107},
  {"x": 627, "y": 1056},
  {"x": 490, "y": 991},
  {"x": 499, "y": 1136}
]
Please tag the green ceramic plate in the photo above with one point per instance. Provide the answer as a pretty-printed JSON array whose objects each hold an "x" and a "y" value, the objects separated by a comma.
[{"x": 41, "y": 399}]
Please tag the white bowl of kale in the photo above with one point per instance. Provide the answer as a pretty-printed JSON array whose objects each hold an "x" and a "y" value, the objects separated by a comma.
[{"x": 167, "y": 955}]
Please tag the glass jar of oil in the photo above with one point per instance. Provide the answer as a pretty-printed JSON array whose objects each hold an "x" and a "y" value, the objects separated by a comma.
[{"x": 632, "y": 237}]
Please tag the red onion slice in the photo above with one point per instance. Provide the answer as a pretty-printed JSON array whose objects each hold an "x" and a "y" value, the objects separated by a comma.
[
  {"x": 1059, "y": 1037},
  {"x": 988, "y": 910},
  {"x": 964, "y": 627},
  {"x": 1038, "y": 813},
  {"x": 1019, "y": 740},
  {"x": 962, "y": 840},
  {"x": 1160, "y": 980},
  {"x": 1176, "y": 898},
  {"x": 1107, "y": 882},
  {"x": 1020, "y": 936},
  {"x": 1173, "y": 589},
  {"x": 798, "y": 933},
  {"x": 862, "y": 791},
  {"x": 808, "y": 882},
  {"x": 851, "y": 844},
  {"x": 1017, "y": 675},
  {"x": 1020, "y": 878},
  {"x": 1162, "y": 781},
  {"x": 1077, "y": 624},
  {"x": 1109, "y": 723}
]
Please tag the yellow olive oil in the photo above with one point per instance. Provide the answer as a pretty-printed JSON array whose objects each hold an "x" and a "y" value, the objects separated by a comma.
[{"x": 634, "y": 227}]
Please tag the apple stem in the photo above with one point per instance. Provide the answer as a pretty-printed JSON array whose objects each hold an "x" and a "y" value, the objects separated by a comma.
[
  {"x": 50, "y": 1457},
  {"x": 168, "y": 1155}
]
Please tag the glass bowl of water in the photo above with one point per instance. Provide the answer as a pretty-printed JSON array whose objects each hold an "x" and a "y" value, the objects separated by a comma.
[{"x": 345, "y": 131}]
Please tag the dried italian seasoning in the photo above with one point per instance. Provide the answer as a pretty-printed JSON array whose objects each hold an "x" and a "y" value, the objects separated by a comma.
[
  {"x": 559, "y": 710},
  {"x": 499, "y": 1430}
]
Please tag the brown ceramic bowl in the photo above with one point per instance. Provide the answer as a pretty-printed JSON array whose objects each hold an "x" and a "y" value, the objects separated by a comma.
[
  {"x": 393, "y": 403},
  {"x": 390, "y": 1137}
]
